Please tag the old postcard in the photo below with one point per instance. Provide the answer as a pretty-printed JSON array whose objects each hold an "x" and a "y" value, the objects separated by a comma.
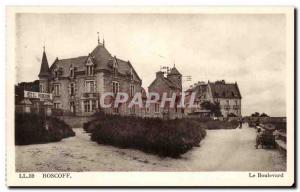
[{"x": 150, "y": 96}]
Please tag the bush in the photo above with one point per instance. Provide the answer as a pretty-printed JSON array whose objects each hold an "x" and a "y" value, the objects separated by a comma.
[
  {"x": 34, "y": 128},
  {"x": 162, "y": 137}
]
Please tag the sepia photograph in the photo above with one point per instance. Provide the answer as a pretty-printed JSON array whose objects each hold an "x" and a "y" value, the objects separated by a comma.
[{"x": 170, "y": 90}]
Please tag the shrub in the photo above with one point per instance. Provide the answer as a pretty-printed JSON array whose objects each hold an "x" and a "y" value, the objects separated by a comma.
[
  {"x": 34, "y": 128},
  {"x": 162, "y": 137}
]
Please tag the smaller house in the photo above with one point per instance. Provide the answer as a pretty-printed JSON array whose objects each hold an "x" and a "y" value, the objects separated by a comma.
[
  {"x": 226, "y": 94},
  {"x": 169, "y": 84}
]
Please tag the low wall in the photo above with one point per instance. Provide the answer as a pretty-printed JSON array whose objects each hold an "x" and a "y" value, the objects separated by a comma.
[{"x": 76, "y": 121}]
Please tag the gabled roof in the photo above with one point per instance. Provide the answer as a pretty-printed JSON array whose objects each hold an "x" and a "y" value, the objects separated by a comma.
[
  {"x": 44, "y": 71},
  {"x": 225, "y": 90}
]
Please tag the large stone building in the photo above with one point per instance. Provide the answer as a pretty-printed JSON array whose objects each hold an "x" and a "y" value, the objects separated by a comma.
[
  {"x": 171, "y": 84},
  {"x": 77, "y": 83},
  {"x": 226, "y": 94}
]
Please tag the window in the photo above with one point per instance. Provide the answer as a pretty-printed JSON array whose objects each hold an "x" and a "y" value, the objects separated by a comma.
[
  {"x": 56, "y": 105},
  {"x": 72, "y": 89},
  {"x": 90, "y": 105},
  {"x": 90, "y": 70},
  {"x": 115, "y": 87},
  {"x": 116, "y": 109},
  {"x": 132, "y": 90},
  {"x": 115, "y": 71},
  {"x": 115, "y": 67},
  {"x": 236, "y": 102},
  {"x": 72, "y": 107},
  {"x": 94, "y": 105},
  {"x": 71, "y": 72},
  {"x": 55, "y": 73},
  {"x": 42, "y": 88},
  {"x": 132, "y": 110},
  {"x": 87, "y": 106},
  {"x": 90, "y": 86},
  {"x": 156, "y": 108},
  {"x": 147, "y": 110},
  {"x": 57, "y": 89}
]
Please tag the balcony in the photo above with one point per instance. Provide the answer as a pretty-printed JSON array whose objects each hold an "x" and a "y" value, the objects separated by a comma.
[{"x": 90, "y": 95}]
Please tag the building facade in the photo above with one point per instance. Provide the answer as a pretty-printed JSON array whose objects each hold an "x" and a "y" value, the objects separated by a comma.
[
  {"x": 226, "y": 94},
  {"x": 171, "y": 85},
  {"x": 77, "y": 83}
]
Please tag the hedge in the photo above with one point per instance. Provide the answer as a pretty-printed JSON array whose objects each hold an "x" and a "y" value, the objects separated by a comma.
[
  {"x": 32, "y": 129},
  {"x": 163, "y": 137}
]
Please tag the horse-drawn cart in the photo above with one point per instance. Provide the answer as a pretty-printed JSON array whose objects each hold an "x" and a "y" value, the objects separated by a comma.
[{"x": 266, "y": 138}]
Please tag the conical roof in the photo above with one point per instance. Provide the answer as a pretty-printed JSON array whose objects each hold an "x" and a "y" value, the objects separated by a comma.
[{"x": 44, "y": 71}]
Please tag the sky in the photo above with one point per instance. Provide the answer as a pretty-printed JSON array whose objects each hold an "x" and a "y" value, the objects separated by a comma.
[{"x": 249, "y": 49}]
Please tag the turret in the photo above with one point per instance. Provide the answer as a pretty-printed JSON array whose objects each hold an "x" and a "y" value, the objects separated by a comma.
[
  {"x": 44, "y": 74},
  {"x": 175, "y": 76}
]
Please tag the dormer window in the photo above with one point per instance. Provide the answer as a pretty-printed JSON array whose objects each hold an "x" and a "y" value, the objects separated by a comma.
[
  {"x": 72, "y": 72},
  {"x": 131, "y": 74},
  {"x": 56, "y": 73},
  {"x": 115, "y": 67},
  {"x": 89, "y": 67},
  {"x": 90, "y": 70}
]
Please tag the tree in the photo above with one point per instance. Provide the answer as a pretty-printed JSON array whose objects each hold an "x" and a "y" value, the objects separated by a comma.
[
  {"x": 213, "y": 107},
  {"x": 256, "y": 114},
  {"x": 264, "y": 115}
]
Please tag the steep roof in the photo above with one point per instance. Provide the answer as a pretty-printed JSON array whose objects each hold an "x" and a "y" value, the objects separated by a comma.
[
  {"x": 44, "y": 71},
  {"x": 174, "y": 71},
  {"x": 225, "y": 90},
  {"x": 167, "y": 82},
  {"x": 102, "y": 59},
  {"x": 66, "y": 64},
  {"x": 101, "y": 56},
  {"x": 171, "y": 83}
]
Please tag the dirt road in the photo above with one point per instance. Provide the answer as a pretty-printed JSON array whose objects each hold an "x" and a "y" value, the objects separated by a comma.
[{"x": 221, "y": 150}]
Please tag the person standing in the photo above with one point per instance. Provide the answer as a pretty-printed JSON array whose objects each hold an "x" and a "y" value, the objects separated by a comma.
[{"x": 241, "y": 123}]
